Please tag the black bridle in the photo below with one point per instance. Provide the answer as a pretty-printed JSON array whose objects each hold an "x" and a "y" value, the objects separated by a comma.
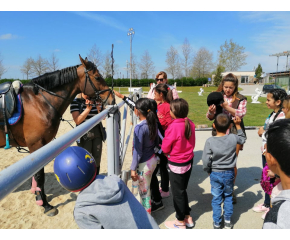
[{"x": 97, "y": 92}]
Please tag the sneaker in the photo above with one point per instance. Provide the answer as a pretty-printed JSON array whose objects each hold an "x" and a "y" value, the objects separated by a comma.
[
  {"x": 265, "y": 213},
  {"x": 164, "y": 194},
  {"x": 156, "y": 206},
  {"x": 260, "y": 208},
  {"x": 228, "y": 225},
  {"x": 175, "y": 224},
  {"x": 189, "y": 222},
  {"x": 216, "y": 226}
]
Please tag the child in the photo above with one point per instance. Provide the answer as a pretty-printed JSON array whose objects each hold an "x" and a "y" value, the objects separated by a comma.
[
  {"x": 178, "y": 145},
  {"x": 234, "y": 104},
  {"x": 277, "y": 156},
  {"x": 286, "y": 106},
  {"x": 156, "y": 198},
  {"x": 274, "y": 101},
  {"x": 104, "y": 202},
  {"x": 163, "y": 97},
  {"x": 144, "y": 141},
  {"x": 219, "y": 159}
]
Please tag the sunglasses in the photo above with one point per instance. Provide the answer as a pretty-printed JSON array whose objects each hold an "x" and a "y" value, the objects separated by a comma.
[{"x": 159, "y": 79}]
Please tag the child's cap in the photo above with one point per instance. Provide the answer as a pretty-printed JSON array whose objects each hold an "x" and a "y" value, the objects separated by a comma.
[{"x": 75, "y": 168}]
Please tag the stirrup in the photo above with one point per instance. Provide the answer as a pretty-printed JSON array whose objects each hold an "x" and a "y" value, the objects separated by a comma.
[{"x": 7, "y": 142}]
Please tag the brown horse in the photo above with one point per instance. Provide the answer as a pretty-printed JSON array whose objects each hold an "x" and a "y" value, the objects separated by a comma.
[{"x": 45, "y": 99}]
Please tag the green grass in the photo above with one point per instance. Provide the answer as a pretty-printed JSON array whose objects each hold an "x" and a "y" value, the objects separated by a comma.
[{"x": 256, "y": 113}]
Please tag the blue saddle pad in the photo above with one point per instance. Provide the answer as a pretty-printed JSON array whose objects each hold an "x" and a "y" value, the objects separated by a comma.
[{"x": 17, "y": 113}]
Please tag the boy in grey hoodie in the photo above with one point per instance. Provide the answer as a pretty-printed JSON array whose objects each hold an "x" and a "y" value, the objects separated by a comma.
[
  {"x": 219, "y": 159},
  {"x": 277, "y": 156},
  {"x": 103, "y": 202}
]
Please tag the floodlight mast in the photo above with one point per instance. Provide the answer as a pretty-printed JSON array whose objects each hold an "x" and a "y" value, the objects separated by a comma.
[{"x": 131, "y": 33}]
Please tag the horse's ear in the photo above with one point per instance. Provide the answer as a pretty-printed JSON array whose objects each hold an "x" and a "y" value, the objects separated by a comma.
[{"x": 84, "y": 62}]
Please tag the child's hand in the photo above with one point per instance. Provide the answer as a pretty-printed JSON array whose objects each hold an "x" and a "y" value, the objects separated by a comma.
[
  {"x": 89, "y": 104},
  {"x": 134, "y": 175},
  {"x": 237, "y": 120},
  {"x": 118, "y": 94},
  {"x": 260, "y": 131},
  {"x": 212, "y": 109},
  {"x": 270, "y": 174}
]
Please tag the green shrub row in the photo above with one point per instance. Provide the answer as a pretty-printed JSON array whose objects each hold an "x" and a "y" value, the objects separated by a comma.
[{"x": 125, "y": 82}]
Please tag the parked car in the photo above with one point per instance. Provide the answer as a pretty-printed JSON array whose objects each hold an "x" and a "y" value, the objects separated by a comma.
[{"x": 267, "y": 88}]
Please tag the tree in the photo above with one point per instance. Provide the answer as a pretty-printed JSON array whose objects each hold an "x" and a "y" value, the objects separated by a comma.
[
  {"x": 218, "y": 76},
  {"x": 53, "y": 63},
  {"x": 95, "y": 55},
  {"x": 173, "y": 63},
  {"x": 134, "y": 66},
  {"x": 146, "y": 65},
  {"x": 186, "y": 50},
  {"x": 232, "y": 56},
  {"x": 202, "y": 62},
  {"x": 39, "y": 66},
  {"x": 2, "y": 68},
  {"x": 259, "y": 72},
  {"x": 27, "y": 68},
  {"x": 107, "y": 66}
]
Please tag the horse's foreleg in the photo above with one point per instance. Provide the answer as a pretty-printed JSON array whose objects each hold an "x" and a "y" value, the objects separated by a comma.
[{"x": 37, "y": 187}]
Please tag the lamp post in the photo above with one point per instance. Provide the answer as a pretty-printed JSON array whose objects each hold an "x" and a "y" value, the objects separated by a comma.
[{"x": 131, "y": 33}]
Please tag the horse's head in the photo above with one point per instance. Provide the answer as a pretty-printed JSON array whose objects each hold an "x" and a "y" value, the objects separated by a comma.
[{"x": 93, "y": 84}]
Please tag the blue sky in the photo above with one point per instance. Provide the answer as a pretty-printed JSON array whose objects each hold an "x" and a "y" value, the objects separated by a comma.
[{"x": 25, "y": 34}]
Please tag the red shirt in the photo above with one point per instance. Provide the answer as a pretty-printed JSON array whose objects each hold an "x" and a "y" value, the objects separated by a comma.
[{"x": 163, "y": 113}]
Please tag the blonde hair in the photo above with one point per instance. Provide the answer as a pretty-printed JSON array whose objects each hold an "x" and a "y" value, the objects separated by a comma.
[{"x": 164, "y": 75}]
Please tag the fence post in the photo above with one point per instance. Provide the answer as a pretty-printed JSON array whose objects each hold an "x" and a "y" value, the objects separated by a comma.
[{"x": 113, "y": 140}]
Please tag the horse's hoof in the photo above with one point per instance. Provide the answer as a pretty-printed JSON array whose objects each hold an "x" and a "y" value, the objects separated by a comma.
[{"x": 52, "y": 212}]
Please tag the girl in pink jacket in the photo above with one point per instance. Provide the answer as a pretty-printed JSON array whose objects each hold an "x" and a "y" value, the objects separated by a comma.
[{"x": 178, "y": 145}]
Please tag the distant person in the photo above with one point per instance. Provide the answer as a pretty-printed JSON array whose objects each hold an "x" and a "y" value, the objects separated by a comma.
[
  {"x": 161, "y": 77},
  {"x": 234, "y": 105},
  {"x": 219, "y": 160},
  {"x": 145, "y": 140},
  {"x": 178, "y": 145},
  {"x": 274, "y": 101},
  {"x": 103, "y": 202},
  {"x": 82, "y": 109},
  {"x": 277, "y": 156}
]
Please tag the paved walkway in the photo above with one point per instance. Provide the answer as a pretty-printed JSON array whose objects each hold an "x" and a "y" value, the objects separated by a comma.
[{"x": 248, "y": 190}]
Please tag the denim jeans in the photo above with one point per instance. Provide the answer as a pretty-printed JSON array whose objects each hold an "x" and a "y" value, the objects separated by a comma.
[{"x": 222, "y": 184}]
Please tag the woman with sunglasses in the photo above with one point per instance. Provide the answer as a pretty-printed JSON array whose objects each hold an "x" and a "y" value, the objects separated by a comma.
[{"x": 161, "y": 77}]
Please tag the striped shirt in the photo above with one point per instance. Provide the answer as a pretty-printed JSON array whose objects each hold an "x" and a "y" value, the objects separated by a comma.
[{"x": 74, "y": 106}]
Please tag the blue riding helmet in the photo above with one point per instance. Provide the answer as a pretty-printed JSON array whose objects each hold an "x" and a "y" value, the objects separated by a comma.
[{"x": 75, "y": 168}]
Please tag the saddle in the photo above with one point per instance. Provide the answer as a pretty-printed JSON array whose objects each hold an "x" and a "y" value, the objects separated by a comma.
[
  {"x": 8, "y": 105},
  {"x": 7, "y": 101}
]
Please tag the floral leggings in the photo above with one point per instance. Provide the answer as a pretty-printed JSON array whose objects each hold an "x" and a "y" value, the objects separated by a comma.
[{"x": 145, "y": 171}]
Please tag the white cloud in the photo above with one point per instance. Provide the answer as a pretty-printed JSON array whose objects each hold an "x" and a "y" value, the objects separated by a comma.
[
  {"x": 56, "y": 50},
  {"x": 103, "y": 19},
  {"x": 7, "y": 36},
  {"x": 275, "y": 37}
]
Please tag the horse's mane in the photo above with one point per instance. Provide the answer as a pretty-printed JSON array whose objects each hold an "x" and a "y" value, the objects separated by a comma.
[{"x": 56, "y": 78}]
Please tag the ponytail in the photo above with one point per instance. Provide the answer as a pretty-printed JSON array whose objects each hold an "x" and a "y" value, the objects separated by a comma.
[
  {"x": 147, "y": 108},
  {"x": 152, "y": 124},
  {"x": 187, "y": 131},
  {"x": 166, "y": 91}
]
